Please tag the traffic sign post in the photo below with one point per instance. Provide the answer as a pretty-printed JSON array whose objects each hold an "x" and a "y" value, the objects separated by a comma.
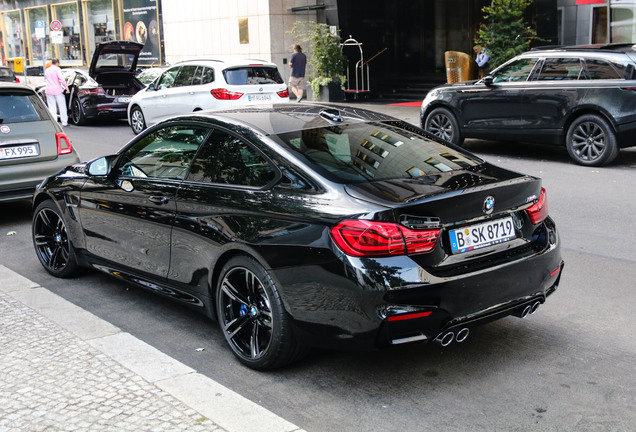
[{"x": 56, "y": 25}]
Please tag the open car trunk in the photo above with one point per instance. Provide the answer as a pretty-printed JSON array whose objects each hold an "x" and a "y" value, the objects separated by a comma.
[
  {"x": 113, "y": 66},
  {"x": 119, "y": 83}
]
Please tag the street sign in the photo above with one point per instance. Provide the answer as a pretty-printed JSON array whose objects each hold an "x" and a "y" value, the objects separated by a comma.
[
  {"x": 39, "y": 29},
  {"x": 56, "y": 25},
  {"x": 57, "y": 37}
]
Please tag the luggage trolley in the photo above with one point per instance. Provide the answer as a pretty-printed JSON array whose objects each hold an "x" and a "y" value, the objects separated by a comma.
[{"x": 361, "y": 71}]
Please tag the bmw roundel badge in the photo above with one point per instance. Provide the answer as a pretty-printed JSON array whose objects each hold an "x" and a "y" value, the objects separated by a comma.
[{"x": 489, "y": 204}]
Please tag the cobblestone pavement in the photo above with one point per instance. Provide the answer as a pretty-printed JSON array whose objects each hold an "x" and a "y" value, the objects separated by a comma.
[
  {"x": 63, "y": 369},
  {"x": 52, "y": 381}
]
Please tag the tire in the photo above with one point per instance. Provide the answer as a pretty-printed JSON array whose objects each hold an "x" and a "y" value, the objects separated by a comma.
[
  {"x": 443, "y": 124},
  {"x": 137, "y": 120},
  {"x": 591, "y": 141},
  {"x": 252, "y": 317},
  {"x": 50, "y": 239},
  {"x": 77, "y": 115}
]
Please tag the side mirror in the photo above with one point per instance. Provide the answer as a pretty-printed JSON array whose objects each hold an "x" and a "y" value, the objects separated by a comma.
[
  {"x": 100, "y": 167},
  {"x": 488, "y": 80}
]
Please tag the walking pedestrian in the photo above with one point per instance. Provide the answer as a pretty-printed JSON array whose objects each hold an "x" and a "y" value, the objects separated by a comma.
[
  {"x": 297, "y": 63},
  {"x": 55, "y": 89}
]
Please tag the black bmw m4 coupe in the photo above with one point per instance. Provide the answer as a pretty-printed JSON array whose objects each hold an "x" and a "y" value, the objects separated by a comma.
[{"x": 304, "y": 225}]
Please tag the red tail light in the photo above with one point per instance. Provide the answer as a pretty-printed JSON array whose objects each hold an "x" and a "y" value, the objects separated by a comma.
[
  {"x": 225, "y": 94},
  {"x": 364, "y": 238},
  {"x": 17, "y": 79},
  {"x": 63, "y": 144},
  {"x": 283, "y": 93},
  {"x": 538, "y": 211},
  {"x": 94, "y": 91}
]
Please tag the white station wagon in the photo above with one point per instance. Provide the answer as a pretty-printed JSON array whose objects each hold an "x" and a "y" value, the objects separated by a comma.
[{"x": 203, "y": 84}]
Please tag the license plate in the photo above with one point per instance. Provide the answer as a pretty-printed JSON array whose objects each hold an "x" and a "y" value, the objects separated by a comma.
[
  {"x": 28, "y": 150},
  {"x": 482, "y": 235},
  {"x": 259, "y": 97},
  {"x": 123, "y": 99}
]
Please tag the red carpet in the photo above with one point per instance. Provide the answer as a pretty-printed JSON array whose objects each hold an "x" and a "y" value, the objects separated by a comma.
[{"x": 413, "y": 104}]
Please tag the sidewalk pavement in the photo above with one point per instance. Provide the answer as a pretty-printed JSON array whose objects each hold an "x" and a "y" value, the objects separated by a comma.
[{"x": 64, "y": 369}]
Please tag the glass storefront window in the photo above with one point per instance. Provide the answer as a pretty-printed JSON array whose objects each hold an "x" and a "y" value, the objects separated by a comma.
[
  {"x": 623, "y": 23},
  {"x": 13, "y": 34},
  {"x": 37, "y": 46},
  {"x": 70, "y": 51},
  {"x": 99, "y": 21}
]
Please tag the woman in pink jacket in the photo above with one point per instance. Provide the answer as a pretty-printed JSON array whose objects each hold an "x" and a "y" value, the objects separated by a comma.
[{"x": 55, "y": 89}]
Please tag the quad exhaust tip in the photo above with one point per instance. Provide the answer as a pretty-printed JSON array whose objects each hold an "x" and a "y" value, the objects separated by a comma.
[
  {"x": 528, "y": 310},
  {"x": 449, "y": 337}
]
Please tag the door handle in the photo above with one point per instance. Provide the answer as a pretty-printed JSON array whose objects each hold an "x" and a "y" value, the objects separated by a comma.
[{"x": 159, "y": 199}]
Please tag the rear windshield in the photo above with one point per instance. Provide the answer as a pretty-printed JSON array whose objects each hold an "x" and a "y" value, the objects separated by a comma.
[
  {"x": 252, "y": 75},
  {"x": 18, "y": 108},
  {"x": 360, "y": 153}
]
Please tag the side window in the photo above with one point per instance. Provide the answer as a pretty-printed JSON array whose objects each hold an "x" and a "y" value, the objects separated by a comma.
[
  {"x": 184, "y": 78},
  {"x": 207, "y": 76},
  {"x": 167, "y": 79},
  {"x": 166, "y": 153},
  {"x": 560, "y": 69},
  {"x": 600, "y": 69},
  {"x": 226, "y": 159},
  {"x": 517, "y": 71}
]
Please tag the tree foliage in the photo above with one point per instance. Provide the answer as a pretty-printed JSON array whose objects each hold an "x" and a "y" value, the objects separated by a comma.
[
  {"x": 505, "y": 32},
  {"x": 324, "y": 56}
]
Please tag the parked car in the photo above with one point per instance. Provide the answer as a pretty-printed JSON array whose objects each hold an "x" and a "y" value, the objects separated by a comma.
[
  {"x": 105, "y": 89},
  {"x": 307, "y": 225},
  {"x": 583, "y": 98},
  {"x": 202, "y": 84},
  {"x": 7, "y": 75},
  {"x": 149, "y": 75},
  {"x": 33, "y": 76},
  {"x": 32, "y": 145}
]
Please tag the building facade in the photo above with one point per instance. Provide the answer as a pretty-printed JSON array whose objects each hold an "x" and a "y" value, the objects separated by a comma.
[{"x": 399, "y": 38}]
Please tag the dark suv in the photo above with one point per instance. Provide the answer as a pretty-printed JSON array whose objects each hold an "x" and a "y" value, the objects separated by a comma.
[{"x": 580, "y": 97}]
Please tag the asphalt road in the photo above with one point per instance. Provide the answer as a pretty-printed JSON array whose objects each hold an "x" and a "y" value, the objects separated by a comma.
[{"x": 569, "y": 367}]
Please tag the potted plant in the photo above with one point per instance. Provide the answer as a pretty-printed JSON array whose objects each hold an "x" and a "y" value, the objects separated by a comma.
[{"x": 325, "y": 60}]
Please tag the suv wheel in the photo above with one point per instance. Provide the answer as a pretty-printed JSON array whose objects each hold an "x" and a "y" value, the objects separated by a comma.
[
  {"x": 137, "y": 120},
  {"x": 591, "y": 141},
  {"x": 443, "y": 124}
]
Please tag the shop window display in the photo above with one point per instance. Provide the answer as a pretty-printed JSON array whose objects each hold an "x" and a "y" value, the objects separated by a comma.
[
  {"x": 37, "y": 46},
  {"x": 100, "y": 22},
  {"x": 70, "y": 51},
  {"x": 13, "y": 34}
]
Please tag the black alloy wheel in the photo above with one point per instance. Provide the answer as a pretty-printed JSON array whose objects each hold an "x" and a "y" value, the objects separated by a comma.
[
  {"x": 137, "y": 120},
  {"x": 77, "y": 115},
  {"x": 591, "y": 141},
  {"x": 443, "y": 124},
  {"x": 252, "y": 317},
  {"x": 51, "y": 242}
]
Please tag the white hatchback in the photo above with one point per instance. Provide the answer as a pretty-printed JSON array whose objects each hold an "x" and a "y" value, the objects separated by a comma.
[{"x": 203, "y": 84}]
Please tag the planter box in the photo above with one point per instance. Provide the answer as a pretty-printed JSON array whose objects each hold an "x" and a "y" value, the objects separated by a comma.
[{"x": 330, "y": 93}]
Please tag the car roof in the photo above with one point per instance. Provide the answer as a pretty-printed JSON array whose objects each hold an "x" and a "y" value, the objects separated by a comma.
[
  {"x": 226, "y": 62},
  {"x": 281, "y": 118},
  {"x": 609, "y": 48},
  {"x": 15, "y": 86}
]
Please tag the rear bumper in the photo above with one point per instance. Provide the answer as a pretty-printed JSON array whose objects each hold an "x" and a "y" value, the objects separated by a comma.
[{"x": 379, "y": 302}]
